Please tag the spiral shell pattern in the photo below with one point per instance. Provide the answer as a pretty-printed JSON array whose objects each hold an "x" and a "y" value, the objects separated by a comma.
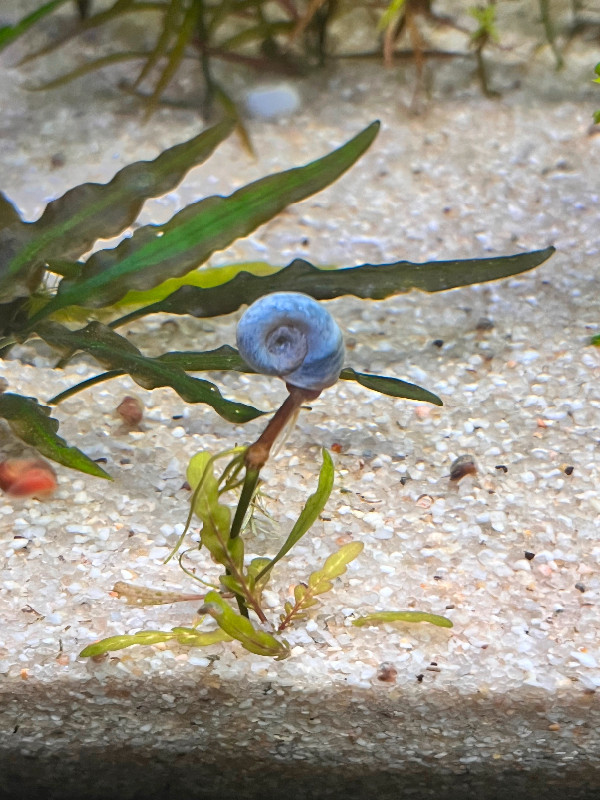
[{"x": 290, "y": 335}]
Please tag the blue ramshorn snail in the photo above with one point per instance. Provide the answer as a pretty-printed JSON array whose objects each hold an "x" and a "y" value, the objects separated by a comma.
[{"x": 288, "y": 334}]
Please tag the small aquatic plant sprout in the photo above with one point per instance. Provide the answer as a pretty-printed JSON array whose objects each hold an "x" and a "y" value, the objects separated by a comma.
[{"x": 288, "y": 334}]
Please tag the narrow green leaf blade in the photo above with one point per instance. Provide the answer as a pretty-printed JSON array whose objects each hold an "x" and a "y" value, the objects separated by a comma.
[
  {"x": 240, "y": 628},
  {"x": 9, "y": 33},
  {"x": 309, "y": 514},
  {"x": 117, "y": 353},
  {"x": 32, "y": 423},
  {"x": 156, "y": 252},
  {"x": 190, "y": 637},
  {"x": 382, "y": 617},
  {"x": 393, "y": 387},
  {"x": 71, "y": 224},
  {"x": 126, "y": 640}
]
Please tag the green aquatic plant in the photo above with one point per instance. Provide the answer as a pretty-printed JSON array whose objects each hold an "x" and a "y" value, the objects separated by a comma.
[
  {"x": 47, "y": 291},
  {"x": 288, "y": 335}
]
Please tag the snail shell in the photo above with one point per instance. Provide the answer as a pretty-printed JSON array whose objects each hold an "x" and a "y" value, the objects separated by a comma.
[{"x": 290, "y": 335}]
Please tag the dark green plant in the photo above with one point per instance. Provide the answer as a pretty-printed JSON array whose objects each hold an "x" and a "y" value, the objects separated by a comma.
[{"x": 44, "y": 289}]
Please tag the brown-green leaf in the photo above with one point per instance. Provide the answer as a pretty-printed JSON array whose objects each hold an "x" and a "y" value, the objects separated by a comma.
[
  {"x": 117, "y": 353},
  {"x": 71, "y": 224},
  {"x": 373, "y": 281},
  {"x": 32, "y": 423},
  {"x": 382, "y": 617},
  {"x": 240, "y": 628},
  {"x": 156, "y": 252}
]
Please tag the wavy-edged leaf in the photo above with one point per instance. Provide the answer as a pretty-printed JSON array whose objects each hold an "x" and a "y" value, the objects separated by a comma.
[
  {"x": 9, "y": 33},
  {"x": 367, "y": 281},
  {"x": 309, "y": 514},
  {"x": 155, "y": 252},
  {"x": 226, "y": 358},
  {"x": 189, "y": 637},
  {"x": 114, "y": 351},
  {"x": 383, "y": 617},
  {"x": 32, "y": 423},
  {"x": 240, "y": 628},
  {"x": 72, "y": 223},
  {"x": 205, "y": 277}
]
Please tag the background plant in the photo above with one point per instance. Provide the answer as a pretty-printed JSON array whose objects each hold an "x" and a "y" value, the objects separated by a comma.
[{"x": 286, "y": 36}]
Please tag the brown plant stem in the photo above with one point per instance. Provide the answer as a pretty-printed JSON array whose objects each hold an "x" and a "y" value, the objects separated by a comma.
[{"x": 258, "y": 453}]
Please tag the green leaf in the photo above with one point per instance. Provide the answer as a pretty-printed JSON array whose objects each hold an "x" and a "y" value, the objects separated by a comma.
[
  {"x": 240, "y": 628},
  {"x": 11, "y": 32},
  {"x": 391, "y": 386},
  {"x": 309, "y": 514},
  {"x": 215, "y": 534},
  {"x": 71, "y": 224},
  {"x": 156, "y": 252},
  {"x": 382, "y": 617},
  {"x": 115, "y": 352},
  {"x": 32, "y": 423},
  {"x": 320, "y": 582},
  {"x": 200, "y": 470},
  {"x": 596, "y": 339},
  {"x": 257, "y": 584},
  {"x": 126, "y": 640},
  {"x": 373, "y": 281},
  {"x": 189, "y": 637}
]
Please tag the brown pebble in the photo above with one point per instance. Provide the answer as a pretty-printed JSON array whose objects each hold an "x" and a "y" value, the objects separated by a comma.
[
  {"x": 569, "y": 470},
  {"x": 336, "y": 447},
  {"x": 554, "y": 726},
  {"x": 131, "y": 411},
  {"x": 529, "y": 556},
  {"x": 463, "y": 465},
  {"x": 387, "y": 672}
]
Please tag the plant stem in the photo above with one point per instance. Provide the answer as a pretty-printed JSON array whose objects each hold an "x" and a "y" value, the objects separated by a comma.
[{"x": 258, "y": 453}]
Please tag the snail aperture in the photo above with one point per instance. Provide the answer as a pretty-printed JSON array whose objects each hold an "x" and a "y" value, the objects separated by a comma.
[{"x": 290, "y": 335}]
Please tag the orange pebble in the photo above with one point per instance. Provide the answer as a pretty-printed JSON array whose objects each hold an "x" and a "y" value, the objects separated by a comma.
[{"x": 31, "y": 477}]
